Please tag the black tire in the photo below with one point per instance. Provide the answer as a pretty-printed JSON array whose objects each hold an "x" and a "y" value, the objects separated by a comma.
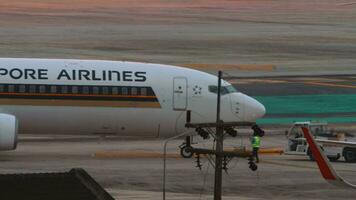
[
  {"x": 349, "y": 154},
  {"x": 186, "y": 152},
  {"x": 334, "y": 158}
]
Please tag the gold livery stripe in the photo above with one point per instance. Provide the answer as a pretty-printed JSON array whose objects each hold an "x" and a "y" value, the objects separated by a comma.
[
  {"x": 81, "y": 103},
  {"x": 76, "y": 95}
]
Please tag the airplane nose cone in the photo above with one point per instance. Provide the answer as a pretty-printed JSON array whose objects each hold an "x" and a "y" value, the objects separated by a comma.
[
  {"x": 253, "y": 109},
  {"x": 259, "y": 109}
]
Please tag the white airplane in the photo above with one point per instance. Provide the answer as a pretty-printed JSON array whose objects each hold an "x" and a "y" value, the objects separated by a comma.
[
  {"x": 326, "y": 169},
  {"x": 56, "y": 96}
]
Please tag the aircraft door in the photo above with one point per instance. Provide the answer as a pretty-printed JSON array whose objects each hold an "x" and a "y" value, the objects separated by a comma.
[{"x": 180, "y": 93}]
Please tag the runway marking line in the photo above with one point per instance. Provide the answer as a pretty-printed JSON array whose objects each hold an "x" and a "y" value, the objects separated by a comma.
[
  {"x": 275, "y": 151},
  {"x": 317, "y": 79},
  {"x": 249, "y": 81},
  {"x": 153, "y": 154},
  {"x": 330, "y": 84},
  {"x": 134, "y": 154},
  {"x": 244, "y": 67},
  {"x": 300, "y": 166}
]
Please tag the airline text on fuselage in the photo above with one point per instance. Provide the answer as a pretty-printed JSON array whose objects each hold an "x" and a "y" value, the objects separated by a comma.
[{"x": 75, "y": 74}]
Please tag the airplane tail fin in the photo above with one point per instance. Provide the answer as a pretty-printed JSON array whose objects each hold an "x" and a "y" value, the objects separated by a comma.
[{"x": 326, "y": 170}]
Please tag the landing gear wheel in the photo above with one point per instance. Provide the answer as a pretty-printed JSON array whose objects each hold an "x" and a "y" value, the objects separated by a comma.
[
  {"x": 186, "y": 152},
  {"x": 350, "y": 155}
]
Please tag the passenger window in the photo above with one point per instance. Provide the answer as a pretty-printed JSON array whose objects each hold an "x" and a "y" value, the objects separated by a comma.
[
  {"x": 115, "y": 90},
  {"x": 22, "y": 88},
  {"x": 11, "y": 88},
  {"x": 74, "y": 89},
  {"x": 32, "y": 89},
  {"x": 134, "y": 91},
  {"x": 85, "y": 90},
  {"x": 143, "y": 91},
  {"x": 105, "y": 90},
  {"x": 64, "y": 89},
  {"x": 95, "y": 90},
  {"x": 42, "y": 89},
  {"x": 124, "y": 91},
  {"x": 53, "y": 89},
  {"x": 1, "y": 88}
]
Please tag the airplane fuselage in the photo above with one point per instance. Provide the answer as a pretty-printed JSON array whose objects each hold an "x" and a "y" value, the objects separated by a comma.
[{"x": 52, "y": 96}]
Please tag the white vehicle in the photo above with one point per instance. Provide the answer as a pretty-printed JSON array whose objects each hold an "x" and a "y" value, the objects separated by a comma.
[
  {"x": 53, "y": 96},
  {"x": 333, "y": 144},
  {"x": 325, "y": 167}
]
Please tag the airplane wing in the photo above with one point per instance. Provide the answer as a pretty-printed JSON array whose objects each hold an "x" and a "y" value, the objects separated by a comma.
[
  {"x": 336, "y": 143},
  {"x": 324, "y": 165}
]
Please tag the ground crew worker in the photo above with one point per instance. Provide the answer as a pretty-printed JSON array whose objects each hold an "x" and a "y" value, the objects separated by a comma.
[{"x": 255, "y": 142}]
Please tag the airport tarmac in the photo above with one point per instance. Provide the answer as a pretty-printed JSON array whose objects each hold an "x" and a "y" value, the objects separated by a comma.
[
  {"x": 294, "y": 36},
  {"x": 137, "y": 177},
  {"x": 289, "y": 37},
  {"x": 300, "y": 98},
  {"x": 132, "y": 169}
]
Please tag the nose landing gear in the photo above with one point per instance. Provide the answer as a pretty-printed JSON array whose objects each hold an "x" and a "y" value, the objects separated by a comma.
[{"x": 186, "y": 150}]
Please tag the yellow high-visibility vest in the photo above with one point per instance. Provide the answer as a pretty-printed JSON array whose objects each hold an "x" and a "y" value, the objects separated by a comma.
[{"x": 256, "y": 141}]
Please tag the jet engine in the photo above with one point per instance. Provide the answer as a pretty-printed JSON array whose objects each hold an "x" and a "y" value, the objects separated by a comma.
[{"x": 8, "y": 132}]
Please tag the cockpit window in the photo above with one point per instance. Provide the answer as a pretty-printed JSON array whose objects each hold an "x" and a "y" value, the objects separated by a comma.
[
  {"x": 224, "y": 89},
  {"x": 230, "y": 89},
  {"x": 213, "y": 89}
]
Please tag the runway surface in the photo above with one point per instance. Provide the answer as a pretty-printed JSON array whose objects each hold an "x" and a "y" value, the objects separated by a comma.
[
  {"x": 240, "y": 37},
  {"x": 285, "y": 36},
  {"x": 293, "y": 36},
  {"x": 278, "y": 177},
  {"x": 289, "y": 99}
]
